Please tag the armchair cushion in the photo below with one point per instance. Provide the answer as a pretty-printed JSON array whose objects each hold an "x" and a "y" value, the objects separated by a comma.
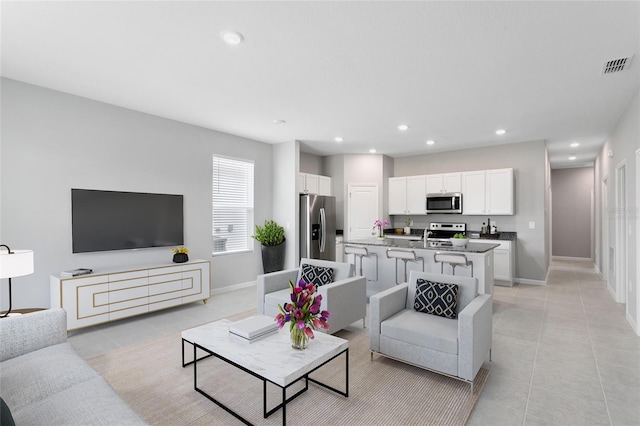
[
  {"x": 318, "y": 275},
  {"x": 440, "y": 334},
  {"x": 436, "y": 298}
]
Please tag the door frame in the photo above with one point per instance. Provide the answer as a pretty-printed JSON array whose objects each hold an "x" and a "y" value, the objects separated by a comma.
[{"x": 622, "y": 240}]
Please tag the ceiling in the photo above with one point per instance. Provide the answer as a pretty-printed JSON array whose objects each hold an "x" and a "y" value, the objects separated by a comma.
[{"x": 455, "y": 72}]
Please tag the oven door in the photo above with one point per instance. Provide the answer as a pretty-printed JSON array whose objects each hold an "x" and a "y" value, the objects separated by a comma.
[{"x": 444, "y": 203}]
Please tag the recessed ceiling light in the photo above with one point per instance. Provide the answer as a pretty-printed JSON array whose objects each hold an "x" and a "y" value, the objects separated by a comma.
[
  {"x": 372, "y": 151},
  {"x": 338, "y": 139},
  {"x": 575, "y": 144},
  {"x": 403, "y": 127},
  {"x": 430, "y": 142},
  {"x": 501, "y": 132},
  {"x": 232, "y": 37},
  {"x": 573, "y": 157},
  {"x": 279, "y": 121}
]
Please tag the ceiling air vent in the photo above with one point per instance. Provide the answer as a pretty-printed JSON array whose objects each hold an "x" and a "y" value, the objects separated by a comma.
[{"x": 616, "y": 65}]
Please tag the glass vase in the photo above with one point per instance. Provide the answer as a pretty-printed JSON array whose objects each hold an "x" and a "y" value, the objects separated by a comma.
[{"x": 298, "y": 339}]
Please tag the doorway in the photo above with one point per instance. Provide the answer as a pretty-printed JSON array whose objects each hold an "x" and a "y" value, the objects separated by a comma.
[
  {"x": 604, "y": 250},
  {"x": 362, "y": 210},
  {"x": 621, "y": 233}
]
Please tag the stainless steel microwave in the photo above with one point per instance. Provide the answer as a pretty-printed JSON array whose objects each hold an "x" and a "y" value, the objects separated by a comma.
[{"x": 450, "y": 203}]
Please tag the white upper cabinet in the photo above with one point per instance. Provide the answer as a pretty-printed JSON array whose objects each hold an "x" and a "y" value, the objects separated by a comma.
[
  {"x": 448, "y": 182},
  {"x": 314, "y": 184},
  {"x": 487, "y": 192},
  {"x": 324, "y": 185},
  {"x": 407, "y": 195}
]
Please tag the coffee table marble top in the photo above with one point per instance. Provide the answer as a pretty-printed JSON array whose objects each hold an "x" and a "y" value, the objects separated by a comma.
[{"x": 271, "y": 357}]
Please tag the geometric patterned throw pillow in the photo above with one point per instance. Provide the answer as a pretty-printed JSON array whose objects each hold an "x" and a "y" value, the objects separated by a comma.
[
  {"x": 436, "y": 298},
  {"x": 318, "y": 275}
]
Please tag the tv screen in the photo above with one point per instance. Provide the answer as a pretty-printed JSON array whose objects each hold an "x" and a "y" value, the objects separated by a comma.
[{"x": 114, "y": 220}]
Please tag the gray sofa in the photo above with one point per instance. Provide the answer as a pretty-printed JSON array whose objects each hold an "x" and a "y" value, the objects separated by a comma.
[
  {"x": 345, "y": 298},
  {"x": 45, "y": 382}
]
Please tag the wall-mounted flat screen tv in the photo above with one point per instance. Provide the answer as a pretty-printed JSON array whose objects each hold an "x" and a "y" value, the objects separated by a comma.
[{"x": 115, "y": 220}]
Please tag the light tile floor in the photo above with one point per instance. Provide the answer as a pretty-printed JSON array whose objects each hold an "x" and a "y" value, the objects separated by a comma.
[{"x": 563, "y": 354}]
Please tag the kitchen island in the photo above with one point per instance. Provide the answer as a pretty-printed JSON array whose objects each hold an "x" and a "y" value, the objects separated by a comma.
[{"x": 479, "y": 254}]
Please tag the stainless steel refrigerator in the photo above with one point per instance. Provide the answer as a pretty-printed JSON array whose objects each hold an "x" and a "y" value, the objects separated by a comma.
[{"x": 317, "y": 227}]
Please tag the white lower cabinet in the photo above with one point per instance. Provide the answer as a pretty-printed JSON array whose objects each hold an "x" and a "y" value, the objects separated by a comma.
[
  {"x": 103, "y": 297},
  {"x": 503, "y": 261}
]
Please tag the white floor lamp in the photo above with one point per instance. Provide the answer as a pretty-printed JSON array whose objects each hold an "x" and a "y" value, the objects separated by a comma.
[{"x": 14, "y": 264}]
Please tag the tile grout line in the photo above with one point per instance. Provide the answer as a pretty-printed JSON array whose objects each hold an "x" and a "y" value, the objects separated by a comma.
[
  {"x": 595, "y": 358},
  {"x": 535, "y": 357}
]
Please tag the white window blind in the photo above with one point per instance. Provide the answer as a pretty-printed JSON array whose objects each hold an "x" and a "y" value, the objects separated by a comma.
[{"x": 232, "y": 200}]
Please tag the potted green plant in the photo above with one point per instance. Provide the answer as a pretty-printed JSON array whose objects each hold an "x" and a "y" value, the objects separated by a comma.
[{"x": 271, "y": 238}]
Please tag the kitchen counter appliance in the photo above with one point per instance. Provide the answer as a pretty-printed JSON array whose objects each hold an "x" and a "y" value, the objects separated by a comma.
[
  {"x": 450, "y": 203},
  {"x": 438, "y": 233}
]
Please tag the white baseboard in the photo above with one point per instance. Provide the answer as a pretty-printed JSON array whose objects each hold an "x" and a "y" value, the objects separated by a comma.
[
  {"x": 634, "y": 326},
  {"x": 234, "y": 287},
  {"x": 529, "y": 282},
  {"x": 581, "y": 259}
]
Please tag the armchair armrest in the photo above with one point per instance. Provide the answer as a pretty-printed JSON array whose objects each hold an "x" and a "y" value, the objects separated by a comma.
[
  {"x": 26, "y": 333},
  {"x": 274, "y": 281},
  {"x": 475, "y": 329},
  {"x": 382, "y": 306},
  {"x": 346, "y": 301}
]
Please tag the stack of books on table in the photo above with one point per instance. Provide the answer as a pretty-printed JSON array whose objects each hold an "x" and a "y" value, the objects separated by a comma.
[
  {"x": 252, "y": 329},
  {"x": 76, "y": 272}
]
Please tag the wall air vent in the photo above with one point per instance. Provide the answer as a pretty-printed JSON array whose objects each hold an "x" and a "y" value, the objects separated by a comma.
[{"x": 616, "y": 65}]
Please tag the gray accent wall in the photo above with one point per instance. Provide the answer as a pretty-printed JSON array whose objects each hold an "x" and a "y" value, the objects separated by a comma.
[
  {"x": 528, "y": 159},
  {"x": 572, "y": 191},
  {"x": 52, "y": 142}
]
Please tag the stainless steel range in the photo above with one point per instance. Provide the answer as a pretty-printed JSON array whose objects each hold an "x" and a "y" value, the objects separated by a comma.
[{"x": 438, "y": 233}]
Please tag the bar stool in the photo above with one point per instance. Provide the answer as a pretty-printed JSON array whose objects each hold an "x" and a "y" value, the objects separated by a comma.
[
  {"x": 453, "y": 259},
  {"x": 405, "y": 256},
  {"x": 360, "y": 252}
]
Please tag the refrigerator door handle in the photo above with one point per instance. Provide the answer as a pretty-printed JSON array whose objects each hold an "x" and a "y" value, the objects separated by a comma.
[{"x": 323, "y": 230}]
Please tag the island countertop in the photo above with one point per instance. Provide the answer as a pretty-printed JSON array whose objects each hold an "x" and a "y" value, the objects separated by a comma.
[{"x": 471, "y": 247}]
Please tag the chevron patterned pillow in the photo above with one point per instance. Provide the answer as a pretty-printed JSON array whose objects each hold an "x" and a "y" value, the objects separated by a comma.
[
  {"x": 436, "y": 298},
  {"x": 317, "y": 275}
]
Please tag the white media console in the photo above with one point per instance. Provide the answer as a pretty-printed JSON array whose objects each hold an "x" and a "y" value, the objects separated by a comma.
[{"x": 111, "y": 295}]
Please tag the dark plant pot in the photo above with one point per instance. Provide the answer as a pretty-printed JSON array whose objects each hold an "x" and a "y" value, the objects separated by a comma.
[
  {"x": 180, "y": 257},
  {"x": 273, "y": 258}
]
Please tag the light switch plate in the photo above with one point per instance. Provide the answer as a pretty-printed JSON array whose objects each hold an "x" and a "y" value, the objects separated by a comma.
[{"x": 532, "y": 225}]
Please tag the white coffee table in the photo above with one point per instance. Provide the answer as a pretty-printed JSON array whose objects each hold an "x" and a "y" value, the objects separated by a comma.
[{"x": 271, "y": 359}]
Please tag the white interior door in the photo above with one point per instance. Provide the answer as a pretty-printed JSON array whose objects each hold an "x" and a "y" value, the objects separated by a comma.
[
  {"x": 604, "y": 221},
  {"x": 362, "y": 210}
]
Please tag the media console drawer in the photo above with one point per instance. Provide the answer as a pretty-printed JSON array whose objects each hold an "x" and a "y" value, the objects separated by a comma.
[{"x": 112, "y": 295}]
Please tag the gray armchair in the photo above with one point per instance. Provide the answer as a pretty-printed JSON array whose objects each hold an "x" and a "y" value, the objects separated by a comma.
[
  {"x": 345, "y": 298},
  {"x": 454, "y": 347}
]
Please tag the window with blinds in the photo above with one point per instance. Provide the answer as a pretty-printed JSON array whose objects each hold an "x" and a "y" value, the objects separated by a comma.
[{"x": 232, "y": 200}]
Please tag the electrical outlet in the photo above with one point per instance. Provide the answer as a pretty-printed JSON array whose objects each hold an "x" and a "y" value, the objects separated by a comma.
[{"x": 532, "y": 225}]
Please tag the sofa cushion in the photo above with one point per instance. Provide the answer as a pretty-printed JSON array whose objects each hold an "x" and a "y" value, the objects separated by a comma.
[
  {"x": 436, "y": 298},
  {"x": 318, "y": 275},
  {"x": 93, "y": 402},
  {"x": 37, "y": 375},
  {"x": 276, "y": 298},
  {"x": 428, "y": 331}
]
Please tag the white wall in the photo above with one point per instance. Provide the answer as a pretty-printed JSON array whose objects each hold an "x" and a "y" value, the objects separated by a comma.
[
  {"x": 528, "y": 159},
  {"x": 52, "y": 142},
  {"x": 623, "y": 142},
  {"x": 286, "y": 200}
]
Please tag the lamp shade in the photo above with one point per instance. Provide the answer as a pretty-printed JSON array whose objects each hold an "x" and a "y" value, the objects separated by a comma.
[{"x": 16, "y": 264}]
